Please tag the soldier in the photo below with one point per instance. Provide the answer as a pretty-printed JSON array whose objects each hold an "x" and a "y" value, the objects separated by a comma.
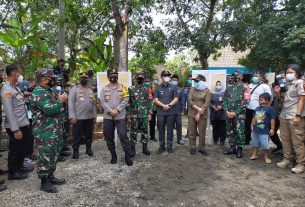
[
  {"x": 235, "y": 109},
  {"x": 16, "y": 123},
  {"x": 166, "y": 96},
  {"x": 82, "y": 114},
  {"x": 139, "y": 113},
  {"x": 114, "y": 99},
  {"x": 47, "y": 126},
  {"x": 179, "y": 109}
]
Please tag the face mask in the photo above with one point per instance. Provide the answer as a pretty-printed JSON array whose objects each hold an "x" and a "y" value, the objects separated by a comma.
[
  {"x": 166, "y": 79},
  {"x": 290, "y": 77},
  {"x": 156, "y": 82},
  {"x": 255, "y": 79},
  {"x": 189, "y": 82},
  {"x": 113, "y": 79},
  {"x": 140, "y": 80},
  {"x": 218, "y": 88},
  {"x": 236, "y": 79},
  {"x": 1, "y": 79},
  {"x": 51, "y": 83},
  {"x": 83, "y": 81},
  {"x": 174, "y": 83},
  {"x": 200, "y": 85},
  {"x": 90, "y": 73},
  {"x": 147, "y": 84},
  {"x": 20, "y": 79}
]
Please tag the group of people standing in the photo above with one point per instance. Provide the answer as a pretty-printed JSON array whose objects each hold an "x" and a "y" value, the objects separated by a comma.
[{"x": 239, "y": 112}]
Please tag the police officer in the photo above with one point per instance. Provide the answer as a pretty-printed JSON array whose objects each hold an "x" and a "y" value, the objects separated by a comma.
[
  {"x": 139, "y": 112},
  {"x": 179, "y": 109},
  {"x": 16, "y": 123},
  {"x": 166, "y": 96},
  {"x": 47, "y": 127},
  {"x": 82, "y": 114},
  {"x": 114, "y": 99},
  {"x": 235, "y": 109}
]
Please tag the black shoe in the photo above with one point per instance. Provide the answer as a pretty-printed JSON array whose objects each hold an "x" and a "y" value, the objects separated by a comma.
[
  {"x": 3, "y": 187},
  {"x": 61, "y": 159},
  {"x": 32, "y": 157},
  {"x": 17, "y": 176},
  {"x": 75, "y": 154},
  {"x": 160, "y": 151},
  {"x": 278, "y": 148},
  {"x": 222, "y": 144},
  {"x": 145, "y": 149},
  {"x": 128, "y": 159},
  {"x": 204, "y": 152},
  {"x": 89, "y": 152},
  {"x": 193, "y": 151},
  {"x": 2, "y": 181},
  {"x": 27, "y": 169},
  {"x": 170, "y": 150},
  {"x": 114, "y": 158},
  {"x": 65, "y": 153},
  {"x": 2, "y": 172},
  {"x": 239, "y": 152},
  {"x": 67, "y": 149},
  {"x": 231, "y": 150},
  {"x": 132, "y": 150},
  {"x": 47, "y": 186},
  {"x": 56, "y": 181}
]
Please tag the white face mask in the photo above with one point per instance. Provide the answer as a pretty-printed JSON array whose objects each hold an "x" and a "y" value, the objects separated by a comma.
[
  {"x": 166, "y": 79},
  {"x": 290, "y": 77},
  {"x": 20, "y": 79}
]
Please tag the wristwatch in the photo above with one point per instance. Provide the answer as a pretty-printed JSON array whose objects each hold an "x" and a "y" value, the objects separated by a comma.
[{"x": 298, "y": 115}]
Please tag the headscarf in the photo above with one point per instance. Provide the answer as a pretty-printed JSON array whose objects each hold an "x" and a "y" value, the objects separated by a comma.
[{"x": 221, "y": 91}]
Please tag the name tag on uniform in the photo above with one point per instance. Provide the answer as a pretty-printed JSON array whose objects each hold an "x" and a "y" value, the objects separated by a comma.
[
  {"x": 19, "y": 97},
  {"x": 81, "y": 98},
  {"x": 220, "y": 99}
]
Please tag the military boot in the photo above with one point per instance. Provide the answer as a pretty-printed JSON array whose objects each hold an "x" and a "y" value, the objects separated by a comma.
[
  {"x": 114, "y": 157},
  {"x": 75, "y": 154},
  {"x": 132, "y": 148},
  {"x": 89, "y": 151},
  {"x": 145, "y": 149},
  {"x": 239, "y": 152},
  {"x": 231, "y": 150},
  {"x": 56, "y": 181},
  {"x": 128, "y": 159},
  {"x": 47, "y": 186}
]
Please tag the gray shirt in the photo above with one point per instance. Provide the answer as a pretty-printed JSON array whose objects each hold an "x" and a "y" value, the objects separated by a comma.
[
  {"x": 166, "y": 94},
  {"x": 114, "y": 98},
  {"x": 179, "y": 106},
  {"x": 14, "y": 107},
  {"x": 82, "y": 103},
  {"x": 291, "y": 99}
]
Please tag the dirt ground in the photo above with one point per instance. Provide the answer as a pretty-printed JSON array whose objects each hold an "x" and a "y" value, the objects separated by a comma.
[{"x": 169, "y": 180}]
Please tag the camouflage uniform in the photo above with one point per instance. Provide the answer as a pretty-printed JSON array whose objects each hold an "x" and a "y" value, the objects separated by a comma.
[
  {"x": 140, "y": 105},
  {"x": 234, "y": 102},
  {"x": 47, "y": 127}
]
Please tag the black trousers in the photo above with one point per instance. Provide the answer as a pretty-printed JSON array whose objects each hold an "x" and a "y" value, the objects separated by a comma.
[
  {"x": 275, "y": 138},
  {"x": 152, "y": 125},
  {"x": 178, "y": 126},
  {"x": 82, "y": 127},
  {"x": 109, "y": 129},
  {"x": 166, "y": 121},
  {"x": 17, "y": 149},
  {"x": 219, "y": 131},
  {"x": 248, "y": 121}
]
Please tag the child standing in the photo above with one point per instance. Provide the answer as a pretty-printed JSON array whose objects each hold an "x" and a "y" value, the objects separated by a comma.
[{"x": 263, "y": 124}]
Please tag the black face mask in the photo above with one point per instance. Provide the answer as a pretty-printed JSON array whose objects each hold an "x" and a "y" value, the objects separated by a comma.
[
  {"x": 236, "y": 79},
  {"x": 90, "y": 73},
  {"x": 1, "y": 79},
  {"x": 140, "y": 80},
  {"x": 51, "y": 83},
  {"x": 83, "y": 81},
  {"x": 113, "y": 79}
]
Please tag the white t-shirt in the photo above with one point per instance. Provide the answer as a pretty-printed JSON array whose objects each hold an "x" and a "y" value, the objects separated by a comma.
[{"x": 262, "y": 88}]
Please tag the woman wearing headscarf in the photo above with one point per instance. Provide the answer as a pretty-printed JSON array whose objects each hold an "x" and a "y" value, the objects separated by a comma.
[
  {"x": 217, "y": 114},
  {"x": 199, "y": 101}
]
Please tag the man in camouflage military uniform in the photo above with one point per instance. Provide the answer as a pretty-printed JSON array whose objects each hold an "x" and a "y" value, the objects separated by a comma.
[
  {"x": 235, "y": 108},
  {"x": 114, "y": 98},
  {"x": 47, "y": 126},
  {"x": 139, "y": 113}
]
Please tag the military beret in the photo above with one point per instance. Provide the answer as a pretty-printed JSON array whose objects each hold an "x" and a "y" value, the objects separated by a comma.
[
  {"x": 165, "y": 73},
  {"x": 44, "y": 72},
  {"x": 83, "y": 75},
  {"x": 111, "y": 71},
  {"x": 199, "y": 78}
]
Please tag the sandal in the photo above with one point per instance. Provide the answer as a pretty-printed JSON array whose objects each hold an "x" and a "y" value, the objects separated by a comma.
[
  {"x": 253, "y": 157},
  {"x": 268, "y": 161}
]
